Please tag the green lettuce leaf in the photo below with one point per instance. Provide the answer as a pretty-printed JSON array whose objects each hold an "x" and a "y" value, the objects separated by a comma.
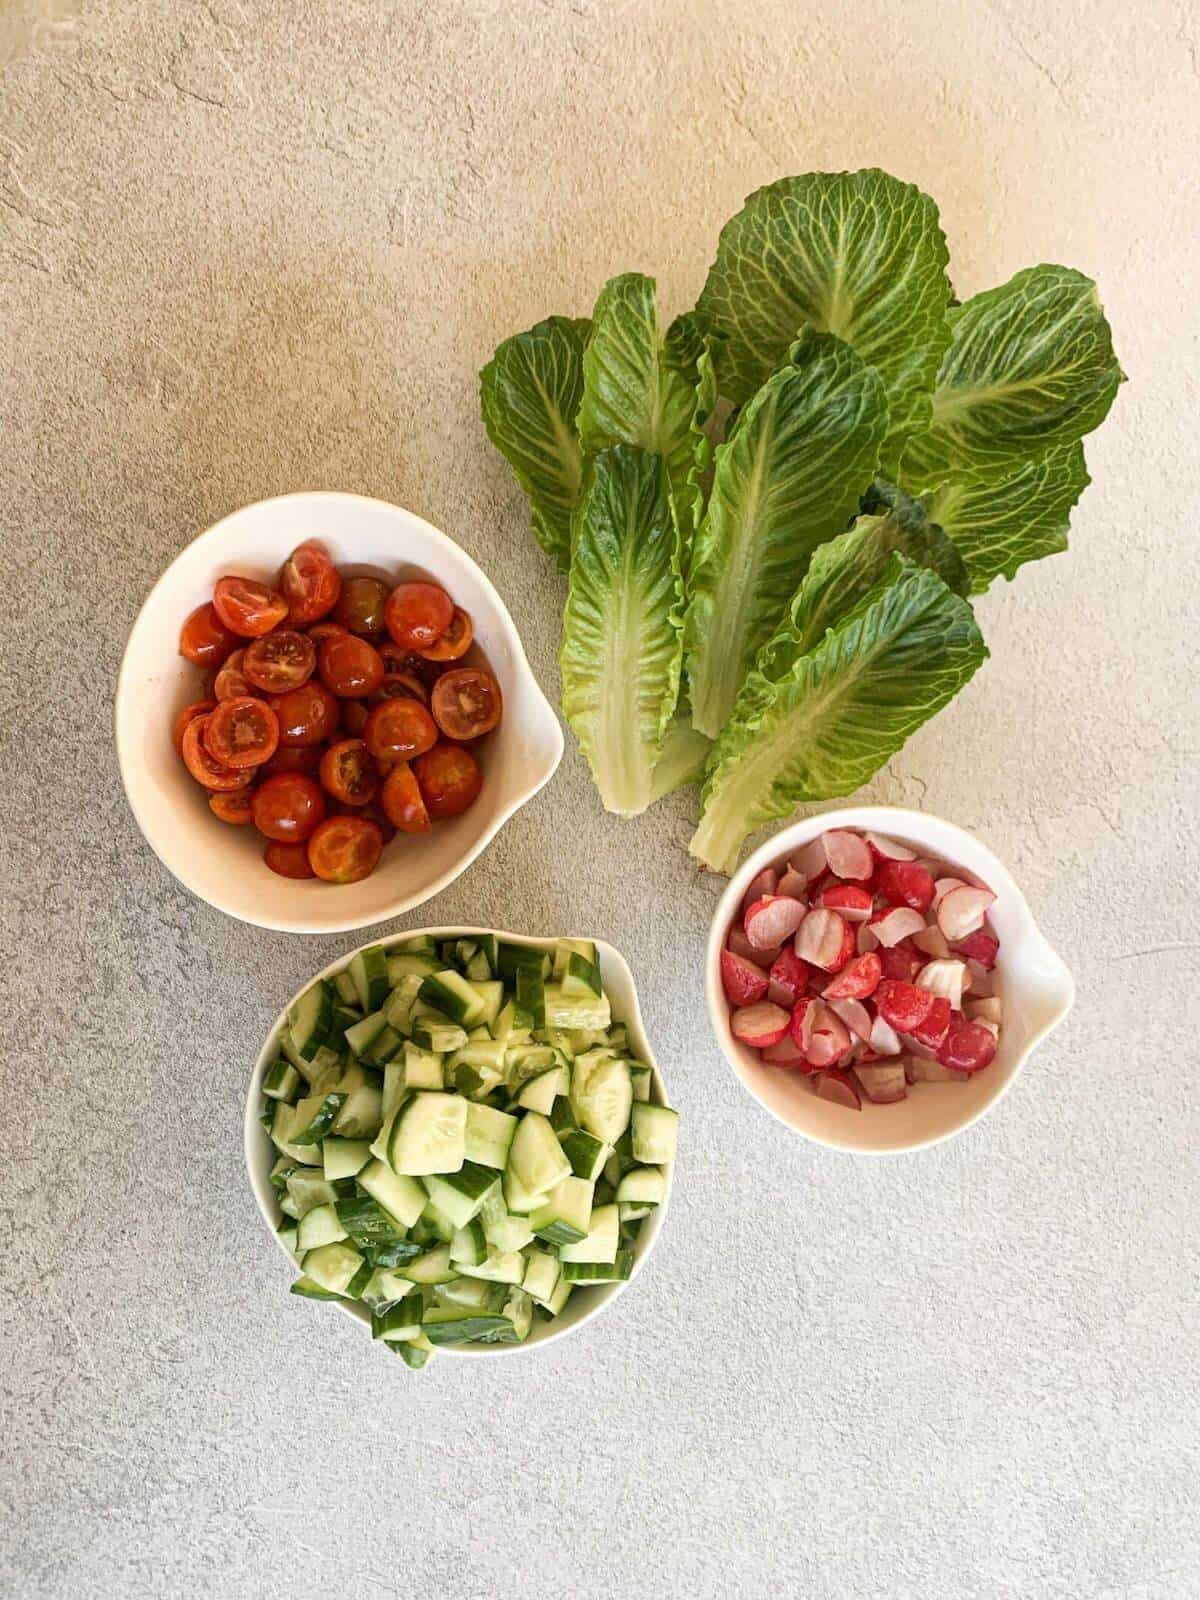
[
  {"x": 788, "y": 478},
  {"x": 1030, "y": 368},
  {"x": 841, "y": 710},
  {"x": 999, "y": 526},
  {"x": 529, "y": 395},
  {"x": 684, "y": 757},
  {"x": 858, "y": 254},
  {"x": 622, "y": 639}
]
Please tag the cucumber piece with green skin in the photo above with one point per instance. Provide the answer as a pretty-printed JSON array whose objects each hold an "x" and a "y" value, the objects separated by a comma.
[
  {"x": 439, "y": 1035},
  {"x": 632, "y": 1212},
  {"x": 418, "y": 944},
  {"x": 601, "y": 1242},
  {"x": 400, "y": 1321},
  {"x": 585, "y": 1152},
  {"x": 309, "y": 1289},
  {"x": 511, "y": 1026},
  {"x": 361, "y": 1035},
  {"x": 562, "y": 1118},
  {"x": 413, "y": 1355},
  {"x": 566, "y": 1214},
  {"x": 444, "y": 1325},
  {"x": 561, "y": 1010},
  {"x": 559, "y": 1298},
  {"x": 345, "y": 1017},
  {"x": 581, "y": 979},
  {"x": 585, "y": 1272},
  {"x": 434, "y": 1266},
  {"x": 402, "y": 1198},
  {"x": 475, "y": 1293},
  {"x": 334, "y": 1267},
  {"x": 344, "y": 1158},
  {"x": 310, "y": 1188},
  {"x": 283, "y": 1124},
  {"x": 386, "y": 1044},
  {"x": 540, "y": 1092},
  {"x": 478, "y": 968},
  {"x": 409, "y": 963},
  {"x": 531, "y": 995},
  {"x": 489, "y": 1136},
  {"x": 289, "y": 1207},
  {"x": 315, "y": 1116},
  {"x": 281, "y": 1081},
  {"x": 519, "y": 1200},
  {"x": 511, "y": 958},
  {"x": 507, "y": 1233},
  {"x": 527, "y": 1060},
  {"x": 368, "y": 971},
  {"x": 398, "y": 1010},
  {"x": 369, "y": 1225},
  {"x": 542, "y": 1272},
  {"x": 497, "y": 1268},
  {"x": 536, "y": 1158},
  {"x": 642, "y": 1079},
  {"x": 435, "y": 1226},
  {"x": 460, "y": 1195},
  {"x": 282, "y": 1171},
  {"x": 486, "y": 1056},
  {"x": 289, "y": 1238},
  {"x": 395, "y": 1091},
  {"x": 491, "y": 998},
  {"x": 643, "y": 1186},
  {"x": 428, "y": 1135},
  {"x": 518, "y": 1308},
  {"x": 451, "y": 994},
  {"x": 319, "y": 1226},
  {"x": 310, "y": 1020},
  {"x": 381, "y": 1291},
  {"x": 346, "y": 992},
  {"x": 469, "y": 1243},
  {"x": 654, "y": 1132},
  {"x": 601, "y": 1095},
  {"x": 361, "y": 1117},
  {"x": 422, "y": 1068}
]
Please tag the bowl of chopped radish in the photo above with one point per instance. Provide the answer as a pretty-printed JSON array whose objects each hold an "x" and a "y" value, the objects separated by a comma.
[{"x": 876, "y": 979}]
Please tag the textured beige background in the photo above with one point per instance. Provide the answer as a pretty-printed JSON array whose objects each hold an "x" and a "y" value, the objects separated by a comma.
[{"x": 251, "y": 245}]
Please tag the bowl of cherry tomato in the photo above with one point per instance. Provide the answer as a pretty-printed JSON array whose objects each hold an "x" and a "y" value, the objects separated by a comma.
[{"x": 325, "y": 713}]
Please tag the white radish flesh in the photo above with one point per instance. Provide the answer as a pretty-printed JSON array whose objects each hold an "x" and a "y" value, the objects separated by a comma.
[
  {"x": 945, "y": 978},
  {"x": 821, "y": 939},
  {"x": 848, "y": 855},
  {"x": 828, "y": 1039},
  {"x": 763, "y": 883},
  {"x": 884, "y": 1040},
  {"x": 884, "y": 1083},
  {"x": 989, "y": 1009},
  {"x": 759, "y": 1025},
  {"x": 943, "y": 886},
  {"x": 889, "y": 849},
  {"x": 931, "y": 942},
  {"x": 962, "y": 911},
  {"x": 811, "y": 861},
  {"x": 792, "y": 883},
  {"x": 919, "y": 1070},
  {"x": 912, "y": 1046},
  {"x": 983, "y": 981},
  {"x": 901, "y": 922},
  {"x": 838, "y": 1087},
  {"x": 786, "y": 1053},
  {"x": 855, "y": 1015},
  {"x": 738, "y": 943},
  {"x": 866, "y": 940},
  {"x": 772, "y": 920}
]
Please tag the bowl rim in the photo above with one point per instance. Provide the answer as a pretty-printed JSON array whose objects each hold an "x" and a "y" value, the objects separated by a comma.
[
  {"x": 527, "y": 681},
  {"x": 905, "y": 823},
  {"x": 253, "y": 1131}
]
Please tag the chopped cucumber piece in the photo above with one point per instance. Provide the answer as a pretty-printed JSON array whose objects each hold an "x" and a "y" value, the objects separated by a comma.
[
  {"x": 451, "y": 994},
  {"x": 346, "y": 991},
  {"x": 386, "y": 1044},
  {"x": 477, "y": 1293},
  {"x": 401, "y": 1197},
  {"x": 507, "y": 1267},
  {"x": 469, "y": 1243},
  {"x": 540, "y": 1092},
  {"x": 601, "y": 1241},
  {"x": 643, "y": 1186},
  {"x": 309, "y": 1189},
  {"x": 531, "y": 995},
  {"x": 432, "y": 1033},
  {"x": 368, "y": 971},
  {"x": 518, "y": 1308},
  {"x": 560, "y": 1297},
  {"x": 601, "y": 1094},
  {"x": 310, "y": 1021},
  {"x": 314, "y": 1117},
  {"x": 654, "y": 1131},
  {"x": 519, "y": 1200},
  {"x": 310, "y": 1290},
  {"x": 581, "y": 979},
  {"x": 460, "y": 1195},
  {"x": 562, "y": 1010},
  {"x": 284, "y": 1124},
  {"x": 344, "y": 1158},
  {"x": 599, "y": 1272},
  {"x": 642, "y": 1078},
  {"x": 422, "y": 1069},
  {"x": 401, "y": 1321},
  {"x": 281, "y": 1081},
  {"x": 489, "y": 1135},
  {"x": 408, "y": 963},
  {"x": 542, "y": 1272},
  {"x": 433, "y": 1267},
  {"x": 536, "y": 1158},
  {"x": 562, "y": 1118},
  {"x": 360, "y": 1035},
  {"x": 585, "y": 1152},
  {"x": 429, "y": 1135},
  {"x": 461, "y": 1325},
  {"x": 333, "y": 1267},
  {"x": 319, "y": 1226},
  {"x": 566, "y": 1215},
  {"x": 373, "y": 1229},
  {"x": 511, "y": 1025}
]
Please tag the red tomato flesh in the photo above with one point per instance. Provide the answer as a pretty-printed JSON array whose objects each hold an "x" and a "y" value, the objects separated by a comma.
[
  {"x": 450, "y": 780},
  {"x": 281, "y": 661},
  {"x": 204, "y": 638},
  {"x": 288, "y": 807},
  {"x": 248, "y": 608},
  {"x": 242, "y": 732},
  {"x": 418, "y": 614},
  {"x": 345, "y": 849},
  {"x": 466, "y": 703}
]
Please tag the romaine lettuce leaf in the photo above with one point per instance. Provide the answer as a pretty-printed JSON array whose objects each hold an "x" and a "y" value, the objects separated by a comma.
[
  {"x": 622, "y": 638},
  {"x": 529, "y": 394},
  {"x": 1030, "y": 368},
  {"x": 841, "y": 710},
  {"x": 858, "y": 254},
  {"x": 998, "y": 526},
  {"x": 788, "y": 478},
  {"x": 684, "y": 756}
]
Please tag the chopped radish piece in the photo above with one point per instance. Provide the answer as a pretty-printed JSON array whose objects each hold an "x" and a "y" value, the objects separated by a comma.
[
  {"x": 811, "y": 862},
  {"x": 848, "y": 900},
  {"x": 840, "y": 1088},
  {"x": 848, "y": 855},
  {"x": 980, "y": 946},
  {"x": 789, "y": 978},
  {"x": 900, "y": 961},
  {"x": 824, "y": 940},
  {"x": 945, "y": 978},
  {"x": 858, "y": 979},
  {"x": 761, "y": 884},
  {"x": 855, "y": 1015},
  {"x": 902, "y": 1005},
  {"x": 968, "y": 1047},
  {"x": 883, "y": 1084},
  {"x": 983, "y": 980},
  {"x": 800, "y": 1023},
  {"x": 896, "y": 923},
  {"x": 910, "y": 1045},
  {"x": 988, "y": 1010},
  {"x": 933, "y": 1030},
  {"x": 905, "y": 883},
  {"x": 865, "y": 940},
  {"x": 962, "y": 911},
  {"x": 791, "y": 883},
  {"x": 741, "y": 946},
  {"x": 787, "y": 1053},
  {"x": 918, "y": 1071},
  {"x": 885, "y": 849},
  {"x": 885, "y": 1041},
  {"x": 931, "y": 942},
  {"x": 743, "y": 982},
  {"x": 828, "y": 1036},
  {"x": 759, "y": 1025},
  {"x": 772, "y": 920},
  {"x": 943, "y": 886}
]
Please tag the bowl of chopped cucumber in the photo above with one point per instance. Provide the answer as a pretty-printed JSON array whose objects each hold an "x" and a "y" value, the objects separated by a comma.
[{"x": 461, "y": 1138}]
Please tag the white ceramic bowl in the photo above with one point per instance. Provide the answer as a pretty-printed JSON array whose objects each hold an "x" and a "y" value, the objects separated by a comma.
[
  {"x": 224, "y": 865},
  {"x": 585, "y": 1303},
  {"x": 1035, "y": 986}
]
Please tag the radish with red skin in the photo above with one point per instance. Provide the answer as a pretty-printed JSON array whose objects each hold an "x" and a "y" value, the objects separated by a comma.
[
  {"x": 773, "y": 919},
  {"x": 962, "y": 911},
  {"x": 759, "y": 1025},
  {"x": 885, "y": 849},
  {"x": 793, "y": 883},
  {"x": 743, "y": 982},
  {"x": 812, "y": 860},
  {"x": 857, "y": 980},
  {"x": 849, "y": 900},
  {"x": 787, "y": 1053},
  {"x": 948, "y": 978},
  {"x": 932, "y": 1031},
  {"x": 905, "y": 883},
  {"x": 854, "y": 1014},
  {"x": 900, "y": 961},
  {"x": 902, "y": 1005},
  {"x": 980, "y": 946},
  {"x": 800, "y": 1023},
  {"x": 763, "y": 883},
  {"x": 827, "y": 1037},
  {"x": 884, "y": 1084},
  {"x": 789, "y": 977},
  {"x": 840, "y": 1088},
  {"x": 824, "y": 940},
  {"x": 848, "y": 855},
  {"x": 741, "y": 946},
  {"x": 968, "y": 1046},
  {"x": 895, "y": 923},
  {"x": 885, "y": 1041},
  {"x": 943, "y": 886}
]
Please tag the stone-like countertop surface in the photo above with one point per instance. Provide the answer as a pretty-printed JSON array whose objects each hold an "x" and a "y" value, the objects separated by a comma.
[{"x": 249, "y": 246}]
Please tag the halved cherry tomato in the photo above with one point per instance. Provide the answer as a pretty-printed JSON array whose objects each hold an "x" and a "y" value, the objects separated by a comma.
[
  {"x": 345, "y": 849},
  {"x": 281, "y": 661},
  {"x": 398, "y": 729},
  {"x": 324, "y": 630},
  {"x": 310, "y": 583},
  {"x": 242, "y": 732},
  {"x": 294, "y": 758},
  {"x": 403, "y": 802},
  {"x": 348, "y": 772},
  {"x": 235, "y": 807},
  {"x": 306, "y": 715},
  {"x": 394, "y": 658},
  {"x": 288, "y": 860},
  {"x": 401, "y": 686},
  {"x": 450, "y": 780},
  {"x": 200, "y": 763},
  {"x": 418, "y": 614},
  {"x": 204, "y": 638},
  {"x": 456, "y": 640},
  {"x": 466, "y": 703},
  {"x": 198, "y": 708},
  {"x": 362, "y": 605},
  {"x": 288, "y": 807},
  {"x": 354, "y": 717},
  {"x": 248, "y": 608},
  {"x": 231, "y": 683},
  {"x": 376, "y": 814},
  {"x": 350, "y": 666}
]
